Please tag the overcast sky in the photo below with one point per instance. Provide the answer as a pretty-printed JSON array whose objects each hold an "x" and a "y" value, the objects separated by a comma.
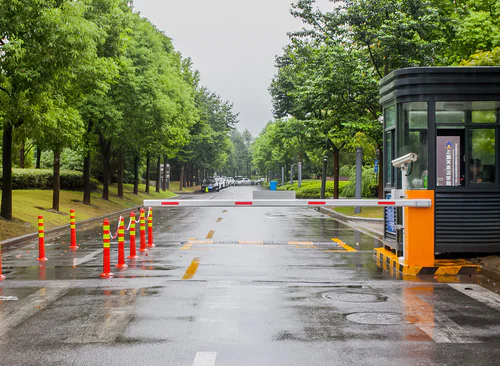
[{"x": 232, "y": 43}]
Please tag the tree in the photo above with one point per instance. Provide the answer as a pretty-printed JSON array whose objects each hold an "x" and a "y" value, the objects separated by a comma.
[{"x": 44, "y": 45}]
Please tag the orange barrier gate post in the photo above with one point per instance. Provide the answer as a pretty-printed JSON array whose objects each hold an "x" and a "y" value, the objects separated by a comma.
[
  {"x": 41, "y": 240},
  {"x": 2, "y": 277},
  {"x": 418, "y": 247},
  {"x": 72, "y": 224},
  {"x": 142, "y": 228},
  {"x": 150, "y": 228},
  {"x": 133, "y": 252},
  {"x": 121, "y": 245},
  {"x": 106, "y": 238}
]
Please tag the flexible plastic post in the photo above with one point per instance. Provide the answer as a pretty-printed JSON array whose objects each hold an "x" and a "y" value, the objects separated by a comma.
[
  {"x": 133, "y": 250},
  {"x": 1, "y": 273},
  {"x": 72, "y": 225},
  {"x": 106, "y": 239},
  {"x": 41, "y": 240},
  {"x": 142, "y": 228},
  {"x": 121, "y": 245},
  {"x": 150, "y": 229}
]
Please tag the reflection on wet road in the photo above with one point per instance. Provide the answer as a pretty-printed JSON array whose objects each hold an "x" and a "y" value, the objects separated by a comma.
[{"x": 240, "y": 286}]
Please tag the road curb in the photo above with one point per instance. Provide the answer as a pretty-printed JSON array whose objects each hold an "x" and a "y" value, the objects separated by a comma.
[
  {"x": 56, "y": 230},
  {"x": 349, "y": 218}
]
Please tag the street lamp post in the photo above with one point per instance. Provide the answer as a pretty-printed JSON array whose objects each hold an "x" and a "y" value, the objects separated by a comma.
[{"x": 323, "y": 177}]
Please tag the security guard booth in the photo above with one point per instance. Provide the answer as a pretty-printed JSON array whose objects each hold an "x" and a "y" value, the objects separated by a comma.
[{"x": 450, "y": 117}]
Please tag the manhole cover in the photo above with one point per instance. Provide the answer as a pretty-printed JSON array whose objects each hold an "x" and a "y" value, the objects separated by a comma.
[
  {"x": 354, "y": 297},
  {"x": 381, "y": 318}
]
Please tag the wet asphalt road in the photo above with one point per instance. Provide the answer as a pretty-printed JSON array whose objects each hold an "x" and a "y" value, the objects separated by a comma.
[{"x": 239, "y": 286}]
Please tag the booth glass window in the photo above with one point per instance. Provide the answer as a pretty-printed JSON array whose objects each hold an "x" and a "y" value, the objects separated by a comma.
[
  {"x": 390, "y": 128},
  {"x": 466, "y": 143},
  {"x": 482, "y": 155},
  {"x": 412, "y": 137}
]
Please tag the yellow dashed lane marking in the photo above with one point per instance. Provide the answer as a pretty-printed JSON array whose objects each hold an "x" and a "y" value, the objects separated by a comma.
[
  {"x": 201, "y": 242},
  {"x": 210, "y": 234},
  {"x": 219, "y": 219},
  {"x": 191, "y": 269},
  {"x": 192, "y": 239},
  {"x": 250, "y": 242},
  {"x": 300, "y": 243},
  {"x": 344, "y": 245},
  {"x": 186, "y": 246}
]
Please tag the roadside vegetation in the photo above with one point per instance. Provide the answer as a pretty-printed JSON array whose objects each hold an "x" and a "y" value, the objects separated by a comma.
[{"x": 29, "y": 204}]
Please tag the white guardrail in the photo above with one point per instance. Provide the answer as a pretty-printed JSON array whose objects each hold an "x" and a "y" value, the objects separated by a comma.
[{"x": 289, "y": 203}]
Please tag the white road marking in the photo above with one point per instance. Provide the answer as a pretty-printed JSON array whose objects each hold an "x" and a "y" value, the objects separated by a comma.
[
  {"x": 205, "y": 359},
  {"x": 29, "y": 306},
  {"x": 87, "y": 258},
  {"x": 478, "y": 293}
]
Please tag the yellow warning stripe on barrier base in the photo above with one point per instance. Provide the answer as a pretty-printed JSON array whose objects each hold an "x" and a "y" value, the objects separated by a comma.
[{"x": 389, "y": 261}]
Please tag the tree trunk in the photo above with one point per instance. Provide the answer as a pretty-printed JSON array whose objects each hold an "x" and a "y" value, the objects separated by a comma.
[
  {"x": 336, "y": 171},
  {"x": 6, "y": 210},
  {"x": 57, "y": 179},
  {"x": 185, "y": 172},
  {"x": 86, "y": 179},
  {"x": 158, "y": 174},
  {"x": 181, "y": 179},
  {"x": 21, "y": 155},
  {"x": 136, "y": 174},
  {"x": 38, "y": 157},
  {"x": 148, "y": 158},
  {"x": 106, "y": 169},
  {"x": 120, "y": 175},
  {"x": 165, "y": 173}
]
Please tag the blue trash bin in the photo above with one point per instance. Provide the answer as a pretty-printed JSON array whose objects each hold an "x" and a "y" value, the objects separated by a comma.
[{"x": 273, "y": 185}]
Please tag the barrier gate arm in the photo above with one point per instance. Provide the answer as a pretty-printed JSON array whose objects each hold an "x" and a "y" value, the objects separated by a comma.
[{"x": 424, "y": 203}]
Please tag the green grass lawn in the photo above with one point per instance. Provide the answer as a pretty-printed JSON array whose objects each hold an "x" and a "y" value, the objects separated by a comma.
[
  {"x": 28, "y": 204},
  {"x": 367, "y": 212}
]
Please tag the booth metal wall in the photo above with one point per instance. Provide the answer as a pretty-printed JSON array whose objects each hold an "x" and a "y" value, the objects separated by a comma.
[{"x": 467, "y": 212}]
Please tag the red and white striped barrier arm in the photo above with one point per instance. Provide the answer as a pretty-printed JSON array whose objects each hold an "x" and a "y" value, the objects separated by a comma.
[{"x": 290, "y": 203}]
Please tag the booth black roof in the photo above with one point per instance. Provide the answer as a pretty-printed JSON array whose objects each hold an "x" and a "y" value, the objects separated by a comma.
[{"x": 450, "y": 82}]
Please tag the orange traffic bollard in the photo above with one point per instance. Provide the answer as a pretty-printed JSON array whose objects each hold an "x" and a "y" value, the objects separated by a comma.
[
  {"x": 150, "y": 228},
  {"x": 41, "y": 240},
  {"x": 106, "y": 238},
  {"x": 133, "y": 252},
  {"x": 1, "y": 275},
  {"x": 142, "y": 229},
  {"x": 72, "y": 225},
  {"x": 121, "y": 245}
]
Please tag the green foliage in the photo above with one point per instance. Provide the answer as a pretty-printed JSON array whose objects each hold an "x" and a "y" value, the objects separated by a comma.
[
  {"x": 345, "y": 171},
  {"x": 484, "y": 58},
  {"x": 369, "y": 186},
  {"x": 311, "y": 188},
  {"x": 44, "y": 179},
  {"x": 70, "y": 160}
]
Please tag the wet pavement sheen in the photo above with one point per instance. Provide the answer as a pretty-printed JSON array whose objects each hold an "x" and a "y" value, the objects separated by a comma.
[{"x": 239, "y": 286}]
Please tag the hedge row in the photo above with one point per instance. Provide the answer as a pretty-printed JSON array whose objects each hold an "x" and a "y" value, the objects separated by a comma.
[{"x": 44, "y": 179}]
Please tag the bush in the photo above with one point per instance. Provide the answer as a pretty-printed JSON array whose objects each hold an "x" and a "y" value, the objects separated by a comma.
[
  {"x": 369, "y": 186},
  {"x": 345, "y": 171},
  {"x": 44, "y": 179}
]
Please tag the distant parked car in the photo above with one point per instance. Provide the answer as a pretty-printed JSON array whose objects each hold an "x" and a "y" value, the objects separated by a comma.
[
  {"x": 243, "y": 182},
  {"x": 258, "y": 181},
  {"x": 209, "y": 185}
]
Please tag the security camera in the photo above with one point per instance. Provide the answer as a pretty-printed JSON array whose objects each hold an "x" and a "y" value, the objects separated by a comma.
[{"x": 405, "y": 159}]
